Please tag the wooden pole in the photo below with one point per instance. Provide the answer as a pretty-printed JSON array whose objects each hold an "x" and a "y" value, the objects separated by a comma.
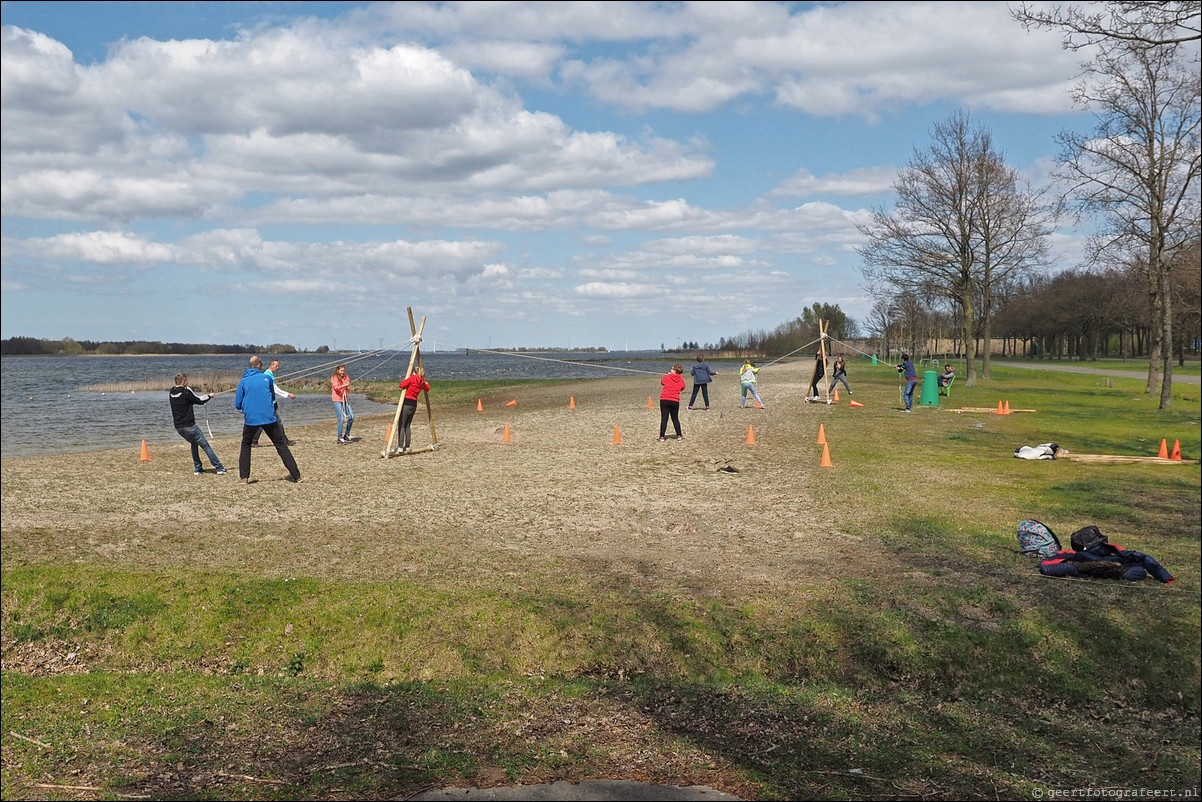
[
  {"x": 823, "y": 328},
  {"x": 429, "y": 411},
  {"x": 396, "y": 418}
]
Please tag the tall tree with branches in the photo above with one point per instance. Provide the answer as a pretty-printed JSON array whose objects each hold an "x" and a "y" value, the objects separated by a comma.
[
  {"x": 960, "y": 224},
  {"x": 1139, "y": 168}
]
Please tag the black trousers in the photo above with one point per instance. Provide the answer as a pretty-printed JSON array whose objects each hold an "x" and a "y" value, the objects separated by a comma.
[
  {"x": 669, "y": 409},
  {"x": 278, "y": 419},
  {"x": 275, "y": 433},
  {"x": 408, "y": 410},
  {"x": 705, "y": 394}
]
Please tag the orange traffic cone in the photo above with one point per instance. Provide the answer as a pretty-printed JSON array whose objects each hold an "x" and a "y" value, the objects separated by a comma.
[
  {"x": 617, "y": 435},
  {"x": 854, "y": 403},
  {"x": 1164, "y": 449},
  {"x": 145, "y": 455},
  {"x": 821, "y": 434},
  {"x": 571, "y": 402},
  {"x": 479, "y": 404},
  {"x": 1176, "y": 450},
  {"x": 649, "y": 403},
  {"x": 826, "y": 457},
  {"x": 1006, "y": 409},
  {"x": 999, "y": 408},
  {"x": 505, "y": 438},
  {"x": 750, "y": 435},
  {"x": 758, "y": 405},
  {"x": 836, "y": 393},
  {"x": 512, "y": 403}
]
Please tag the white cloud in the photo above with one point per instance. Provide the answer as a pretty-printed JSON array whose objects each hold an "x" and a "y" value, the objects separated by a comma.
[{"x": 858, "y": 182}]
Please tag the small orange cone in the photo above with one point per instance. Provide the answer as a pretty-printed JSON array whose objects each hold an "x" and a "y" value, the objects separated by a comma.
[
  {"x": 821, "y": 434},
  {"x": 836, "y": 393},
  {"x": 649, "y": 403},
  {"x": 571, "y": 402},
  {"x": 1176, "y": 450},
  {"x": 999, "y": 408},
  {"x": 479, "y": 404},
  {"x": 1164, "y": 449},
  {"x": 617, "y": 435},
  {"x": 854, "y": 403},
  {"x": 512, "y": 403},
  {"x": 505, "y": 438},
  {"x": 758, "y": 405},
  {"x": 826, "y": 457},
  {"x": 1006, "y": 409},
  {"x": 145, "y": 455},
  {"x": 750, "y": 435}
]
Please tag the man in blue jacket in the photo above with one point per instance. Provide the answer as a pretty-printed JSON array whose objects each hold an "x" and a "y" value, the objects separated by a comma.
[{"x": 255, "y": 399}]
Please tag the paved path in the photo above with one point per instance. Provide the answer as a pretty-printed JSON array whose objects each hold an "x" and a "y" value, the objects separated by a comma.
[
  {"x": 586, "y": 791},
  {"x": 1122, "y": 374}
]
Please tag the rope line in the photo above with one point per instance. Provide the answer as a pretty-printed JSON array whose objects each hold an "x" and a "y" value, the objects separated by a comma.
[{"x": 573, "y": 362}]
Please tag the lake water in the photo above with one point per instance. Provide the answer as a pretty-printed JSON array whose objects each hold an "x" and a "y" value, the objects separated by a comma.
[{"x": 44, "y": 411}]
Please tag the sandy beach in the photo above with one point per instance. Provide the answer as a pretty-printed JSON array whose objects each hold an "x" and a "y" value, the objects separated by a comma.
[{"x": 560, "y": 496}]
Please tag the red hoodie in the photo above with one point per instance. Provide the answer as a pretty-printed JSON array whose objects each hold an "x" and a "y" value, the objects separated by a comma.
[
  {"x": 413, "y": 386},
  {"x": 673, "y": 386}
]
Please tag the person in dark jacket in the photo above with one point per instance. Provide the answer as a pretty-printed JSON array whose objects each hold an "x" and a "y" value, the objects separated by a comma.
[
  {"x": 702, "y": 376},
  {"x": 183, "y": 398},
  {"x": 906, "y": 368},
  {"x": 819, "y": 373},
  {"x": 839, "y": 374},
  {"x": 255, "y": 399}
]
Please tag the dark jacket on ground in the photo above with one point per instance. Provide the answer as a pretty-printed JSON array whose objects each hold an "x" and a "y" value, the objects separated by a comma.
[{"x": 1105, "y": 561}]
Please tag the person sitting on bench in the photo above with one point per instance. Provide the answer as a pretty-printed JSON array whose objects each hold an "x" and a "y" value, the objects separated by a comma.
[{"x": 948, "y": 374}]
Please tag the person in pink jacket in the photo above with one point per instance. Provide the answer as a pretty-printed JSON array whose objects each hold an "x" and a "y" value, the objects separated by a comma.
[
  {"x": 340, "y": 388},
  {"x": 669, "y": 401}
]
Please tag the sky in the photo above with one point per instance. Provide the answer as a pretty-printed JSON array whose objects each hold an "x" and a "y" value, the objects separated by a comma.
[{"x": 618, "y": 175}]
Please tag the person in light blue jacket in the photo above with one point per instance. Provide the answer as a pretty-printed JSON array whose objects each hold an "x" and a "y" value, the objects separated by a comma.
[
  {"x": 702, "y": 376},
  {"x": 255, "y": 399}
]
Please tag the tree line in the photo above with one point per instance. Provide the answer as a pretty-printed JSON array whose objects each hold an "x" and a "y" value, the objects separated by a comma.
[
  {"x": 788, "y": 337},
  {"x": 33, "y": 346}
]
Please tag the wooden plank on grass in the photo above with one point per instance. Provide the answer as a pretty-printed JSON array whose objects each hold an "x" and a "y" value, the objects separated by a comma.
[{"x": 1118, "y": 459}]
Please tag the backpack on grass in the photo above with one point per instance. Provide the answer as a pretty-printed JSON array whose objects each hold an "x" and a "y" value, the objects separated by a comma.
[{"x": 1036, "y": 540}]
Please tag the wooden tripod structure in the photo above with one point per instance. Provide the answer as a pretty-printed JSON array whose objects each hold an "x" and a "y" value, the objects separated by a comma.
[
  {"x": 823, "y": 327},
  {"x": 393, "y": 433}
]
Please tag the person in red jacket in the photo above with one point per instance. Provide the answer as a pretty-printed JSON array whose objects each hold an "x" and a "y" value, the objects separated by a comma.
[
  {"x": 413, "y": 385},
  {"x": 669, "y": 401}
]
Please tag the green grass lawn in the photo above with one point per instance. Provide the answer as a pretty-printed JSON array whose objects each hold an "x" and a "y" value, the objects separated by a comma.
[{"x": 961, "y": 674}]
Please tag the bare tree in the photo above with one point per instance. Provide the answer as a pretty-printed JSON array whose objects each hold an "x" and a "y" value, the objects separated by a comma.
[
  {"x": 1014, "y": 223},
  {"x": 960, "y": 224},
  {"x": 1139, "y": 169},
  {"x": 1146, "y": 23}
]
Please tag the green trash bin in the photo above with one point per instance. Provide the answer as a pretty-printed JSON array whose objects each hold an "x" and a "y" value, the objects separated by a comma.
[{"x": 930, "y": 388}]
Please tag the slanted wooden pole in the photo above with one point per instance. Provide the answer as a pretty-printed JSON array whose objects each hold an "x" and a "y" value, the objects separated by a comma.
[
  {"x": 396, "y": 418},
  {"x": 416, "y": 350}
]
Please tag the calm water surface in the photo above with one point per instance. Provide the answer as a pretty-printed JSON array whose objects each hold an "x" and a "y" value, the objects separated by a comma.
[{"x": 44, "y": 411}]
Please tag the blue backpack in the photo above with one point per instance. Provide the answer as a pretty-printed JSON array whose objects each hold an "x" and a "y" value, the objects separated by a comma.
[{"x": 1036, "y": 540}]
